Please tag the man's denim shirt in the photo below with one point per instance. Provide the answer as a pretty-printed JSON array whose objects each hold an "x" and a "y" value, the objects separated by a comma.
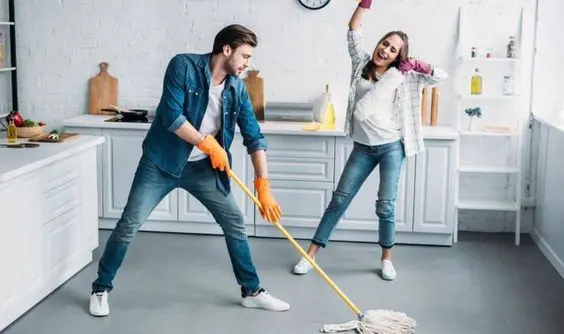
[{"x": 185, "y": 98}]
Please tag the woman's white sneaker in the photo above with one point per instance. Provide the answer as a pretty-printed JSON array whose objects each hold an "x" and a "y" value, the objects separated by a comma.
[
  {"x": 388, "y": 271},
  {"x": 303, "y": 267},
  {"x": 265, "y": 301},
  {"x": 99, "y": 304}
]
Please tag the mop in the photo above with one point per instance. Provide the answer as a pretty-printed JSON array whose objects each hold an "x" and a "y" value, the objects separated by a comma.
[{"x": 370, "y": 322}]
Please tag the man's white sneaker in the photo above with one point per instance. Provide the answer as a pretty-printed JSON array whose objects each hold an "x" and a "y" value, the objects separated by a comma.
[
  {"x": 99, "y": 304},
  {"x": 388, "y": 271},
  {"x": 303, "y": 267},
  {"x": 265, "y": 301}
]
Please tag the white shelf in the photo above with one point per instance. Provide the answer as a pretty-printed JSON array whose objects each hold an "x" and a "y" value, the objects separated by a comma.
[
  {"x": 489, "y": 60},
  {"x": 7, "y": 23},
  {"x": 488, "y": 204},
  {"x": 488, "y": 169},
  {"x": 488, "y": 97},
  {"x": 486, "y": 133},
  {"x": 7, "y": 69},
  {"x": 499, "y": 132}
]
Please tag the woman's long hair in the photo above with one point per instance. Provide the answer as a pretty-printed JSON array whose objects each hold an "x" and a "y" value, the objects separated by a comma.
[{"x": 403, "y": 54}]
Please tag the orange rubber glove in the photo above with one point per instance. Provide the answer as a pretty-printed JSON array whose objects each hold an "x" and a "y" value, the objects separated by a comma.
[
  {"x": 217, "y": 154},
  {"x": 270, "y": 211}
]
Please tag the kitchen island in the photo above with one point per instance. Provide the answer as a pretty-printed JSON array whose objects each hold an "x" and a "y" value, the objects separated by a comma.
[
  {"x": 304, "y": 168},
  {"x": 49, "y": 220}
]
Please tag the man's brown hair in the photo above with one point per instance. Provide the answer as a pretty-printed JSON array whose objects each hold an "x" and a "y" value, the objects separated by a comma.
[{"x": 233, "y": 35}]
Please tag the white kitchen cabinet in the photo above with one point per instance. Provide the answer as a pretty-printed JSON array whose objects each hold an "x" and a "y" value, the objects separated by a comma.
[
  {"x": 361, "y": 214},
  {"x": 425, "y": 204},
  {"x": 99, "y": 159},
  {"x": 21, "y": 244},
  {"x": 122, "y": 152},
  {"x": 50, "y": 221},
  {"x": 304, "y": 169},
  {"x": 435, "y": 185},
  {"x": 302, "y": 203},
  {"x": 301, "y": 171},
  {"x": 191, "y": 210}
]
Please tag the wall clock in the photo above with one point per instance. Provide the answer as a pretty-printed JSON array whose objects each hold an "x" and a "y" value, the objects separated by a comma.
[{"x": 314, "y": 4}]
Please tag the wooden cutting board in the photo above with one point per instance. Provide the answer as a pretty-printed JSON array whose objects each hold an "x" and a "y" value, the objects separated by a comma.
[
  {"x": 103, "y": 90},
  {"x": 44, "y": 138},
  {"x": 255, "y": 88}
]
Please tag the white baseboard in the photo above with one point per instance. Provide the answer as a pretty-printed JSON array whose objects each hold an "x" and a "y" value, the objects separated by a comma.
[{"x": 548, "y": 252}]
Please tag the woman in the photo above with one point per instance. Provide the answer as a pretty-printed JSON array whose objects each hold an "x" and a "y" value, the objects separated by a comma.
[{"x": 384, "y": 121}]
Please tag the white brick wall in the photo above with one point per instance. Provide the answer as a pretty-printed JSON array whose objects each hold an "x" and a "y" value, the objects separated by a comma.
[{"x": 61, "y": 42}]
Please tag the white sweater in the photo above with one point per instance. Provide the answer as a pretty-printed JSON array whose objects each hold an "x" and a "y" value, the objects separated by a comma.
[
  {"x": 376, "y": 121},
  {"x": 408, "y": 98}
]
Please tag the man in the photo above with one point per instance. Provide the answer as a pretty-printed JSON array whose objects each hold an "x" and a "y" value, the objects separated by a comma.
[{"x": 187, "y": 146}]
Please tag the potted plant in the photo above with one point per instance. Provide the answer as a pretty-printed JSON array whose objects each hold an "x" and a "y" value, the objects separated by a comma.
[{"x": 472, "y": 112}]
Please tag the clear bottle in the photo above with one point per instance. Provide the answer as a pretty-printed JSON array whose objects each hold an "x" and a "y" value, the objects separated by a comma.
[
  {"x": 12, "y": 132},
  {"x": 511, "y": 47},
  {"x": 476, "y": 83},
  {"x": 2, "y": 50},
  {"x": 489, "y": 52},
  {"x": 508, "y": 85}
]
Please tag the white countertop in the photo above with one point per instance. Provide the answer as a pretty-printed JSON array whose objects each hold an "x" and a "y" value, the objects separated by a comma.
[
  {"x": 440, "y": 133},
  {"x": 267, "y": 127},
  {"x": 18, "y": 161}
]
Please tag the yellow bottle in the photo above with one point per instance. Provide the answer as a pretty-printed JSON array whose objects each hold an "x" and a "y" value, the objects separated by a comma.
[
  {"x": 12, "y": 132},
  {"x": 328, "y": 121},
  {"x": 324, "y": 114},
  {"x": 476, "y": 84}
]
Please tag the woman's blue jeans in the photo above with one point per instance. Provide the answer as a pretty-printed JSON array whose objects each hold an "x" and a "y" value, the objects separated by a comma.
[{"x": 360, "y": 164}]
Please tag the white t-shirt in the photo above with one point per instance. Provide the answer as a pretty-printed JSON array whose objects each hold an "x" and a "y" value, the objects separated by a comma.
[
  {"x": 380, "y": 129},
  {"x": 212, "y": 119}
]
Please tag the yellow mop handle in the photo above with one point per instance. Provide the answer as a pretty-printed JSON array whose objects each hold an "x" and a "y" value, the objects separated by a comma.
[{"x": 329, "y": 281}]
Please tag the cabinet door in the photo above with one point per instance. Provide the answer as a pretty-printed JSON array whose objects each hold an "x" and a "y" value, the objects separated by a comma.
[
  {"x": 434, "y": 209},
  {"x": 361, "y": 214},
  {"x": 191, "y": 210},
  {"x": 20, "y": 246},
  {"x": 122, "y": 152},
  {"x": 99, "y": 161},
  {"x": 302, "y": 203}
]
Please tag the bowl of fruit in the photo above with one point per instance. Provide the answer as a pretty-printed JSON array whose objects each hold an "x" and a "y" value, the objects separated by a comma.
[{"x": 26, "y": 128}]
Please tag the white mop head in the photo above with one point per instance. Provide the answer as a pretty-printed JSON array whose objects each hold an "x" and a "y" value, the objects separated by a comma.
[{"x": 377, "y": 322}]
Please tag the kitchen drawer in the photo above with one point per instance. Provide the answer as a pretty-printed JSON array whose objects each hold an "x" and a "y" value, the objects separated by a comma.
[
  {"x": 58, "y": 174},
  {"x": 302, "y": 203},
  {"x": 60, "y": 188},
  {"x": 313, "y": 147},
  {"x": 61, "y": 199},
  {"x": 301, "y": 169}
]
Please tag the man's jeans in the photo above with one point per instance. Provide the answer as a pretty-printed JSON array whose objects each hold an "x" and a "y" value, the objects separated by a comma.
[
  {"x": 360, "y": 164},
  {"x": 149, "y": 187}
]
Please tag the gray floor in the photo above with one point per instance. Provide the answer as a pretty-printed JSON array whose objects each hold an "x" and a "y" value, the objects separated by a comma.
[{"x": 183, "y": 284}]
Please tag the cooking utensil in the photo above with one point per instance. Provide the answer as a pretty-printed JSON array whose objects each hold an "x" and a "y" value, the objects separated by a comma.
[
  {"x": 44, "y": 138},
  {"x": 103, "y": 90},
  {"x": 434, "y": 106},
  {"x": 130, "y": 114},
  {"x": 424, "y": 106},
  {"x": 255, "y": 88},
  {"x": 20, "y": 145}
]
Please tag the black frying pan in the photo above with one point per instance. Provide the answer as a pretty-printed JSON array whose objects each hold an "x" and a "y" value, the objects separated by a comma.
[{"x": 133, "y": 114}]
